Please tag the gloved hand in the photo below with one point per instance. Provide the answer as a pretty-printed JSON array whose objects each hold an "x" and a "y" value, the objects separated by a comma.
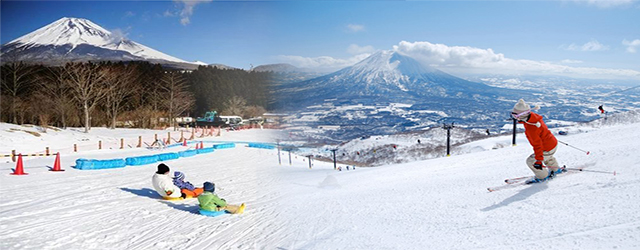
[{"x": 538, "y": 165}]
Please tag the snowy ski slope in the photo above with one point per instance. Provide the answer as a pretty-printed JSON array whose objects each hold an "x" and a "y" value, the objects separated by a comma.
[{"x": 441, "y": 203}]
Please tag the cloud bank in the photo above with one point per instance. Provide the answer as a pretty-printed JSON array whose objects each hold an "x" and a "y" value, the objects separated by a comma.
[
  {"x": 468, "y": 60},
  {"x": 322, "y": 63},
  {"x": 465, "y": 59}
]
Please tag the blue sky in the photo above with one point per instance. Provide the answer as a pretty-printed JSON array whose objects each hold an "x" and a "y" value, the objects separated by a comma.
[{"x": 590, "y": 38}]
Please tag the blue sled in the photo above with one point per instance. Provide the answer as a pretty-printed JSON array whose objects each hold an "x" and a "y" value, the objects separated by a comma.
[{"x": 212, "y": 213}]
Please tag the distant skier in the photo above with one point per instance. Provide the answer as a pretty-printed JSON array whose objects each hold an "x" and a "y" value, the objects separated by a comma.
[
  {"x": 488, "y": 132},
  {"x": 418, "y": 141},
  {"x": 541, "y": 139},
  {"x": 601, "y": 109}
]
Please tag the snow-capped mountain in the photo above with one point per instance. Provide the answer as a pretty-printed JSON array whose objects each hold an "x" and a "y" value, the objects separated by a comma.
[
  {"x": 388, "y": 93},
  {"x": 387, "y": 76},
  {"x": 77, "y": 39}
]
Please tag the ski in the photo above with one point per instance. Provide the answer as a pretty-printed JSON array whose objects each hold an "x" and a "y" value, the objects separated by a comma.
[
  {"x": 517, "y": 179},
  {"x": 526, "y": 180}
]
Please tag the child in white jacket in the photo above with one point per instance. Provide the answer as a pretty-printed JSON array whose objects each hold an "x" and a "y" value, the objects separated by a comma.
[{"x": 163, "y": 183}]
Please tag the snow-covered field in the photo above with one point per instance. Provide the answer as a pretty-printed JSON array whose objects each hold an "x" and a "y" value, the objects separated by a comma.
[{"x": 441, "y": 203}]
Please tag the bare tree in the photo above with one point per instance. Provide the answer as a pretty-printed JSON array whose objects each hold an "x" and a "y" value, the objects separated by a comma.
[
  {"x": 179, "y": 99},
  {"x": 254, "y": 111},
  {"x": 122, "y": 81},
  {"x": 235, "y": 106},
  {"x": 16, "y": 78},
  {"x": 88, "y": 87},
  {"x": 53, "y": 93}
]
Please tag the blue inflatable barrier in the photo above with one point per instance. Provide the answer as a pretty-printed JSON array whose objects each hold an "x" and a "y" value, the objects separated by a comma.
[
  {"x": 188, "y": 153},
  {"x": 141, "y": 160},
  {"x": 224, "y": 145},
  {"x": 261, "y": 145},
  {"x": 212, "y": 213},
  {"x": 168, "y": 156},
  {"x": 205, "y": 150},
  {"x": 87, "y": 164}
]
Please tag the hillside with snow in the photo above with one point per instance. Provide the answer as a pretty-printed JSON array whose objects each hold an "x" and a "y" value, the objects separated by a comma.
[
  {"x": 440, "y": 203},
  {"x": 78, "y": 39}
]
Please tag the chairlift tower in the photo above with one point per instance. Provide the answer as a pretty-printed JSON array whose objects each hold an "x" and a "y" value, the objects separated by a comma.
[
  {"x": 448, "y": 127},
  {"x": 334, "y": 158},
  {"x": 513, "y": 141}
]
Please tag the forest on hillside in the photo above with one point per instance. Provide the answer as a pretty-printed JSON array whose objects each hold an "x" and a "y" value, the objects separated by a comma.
[{"x": 133, "y": 94}]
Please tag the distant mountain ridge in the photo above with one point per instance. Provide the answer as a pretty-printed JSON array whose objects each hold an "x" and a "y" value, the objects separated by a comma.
[
  {"x": 387, "y": 93},
  {"x": 386, "y": 76},
  {"x": 78, "y": 39}
]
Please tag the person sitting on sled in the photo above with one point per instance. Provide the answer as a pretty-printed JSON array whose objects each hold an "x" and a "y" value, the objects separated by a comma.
[
  {"x": 211, "y": 202},
  {"x": 541, "y": 139},
  {"x": 186, "y": 188},
  {"x": 163, "y": 184}
]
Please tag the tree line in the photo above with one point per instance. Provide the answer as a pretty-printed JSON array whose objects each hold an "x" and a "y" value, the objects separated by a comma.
[{"x": 135, "y": 94}]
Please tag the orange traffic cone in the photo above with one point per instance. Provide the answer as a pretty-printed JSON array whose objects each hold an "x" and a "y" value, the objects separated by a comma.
[
  {"x": 56, "y": 164},
  {"x": 201, "y": 145},
  {"x": 19, "y": 168},
  {"x": 197, "y": 145},
  {"x": 184, "y": 142}
]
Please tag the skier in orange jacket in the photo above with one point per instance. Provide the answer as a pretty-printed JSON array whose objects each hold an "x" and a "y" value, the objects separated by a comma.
[{"x": 541, "y": 139}]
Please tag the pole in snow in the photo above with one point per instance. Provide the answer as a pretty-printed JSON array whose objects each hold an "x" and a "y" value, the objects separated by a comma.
[
  {"x": 334, "y": 158},
  {"x": 278, "y": 146},
  {"x": 309, "y": 156},
  {"x": 515, "y": 122},
  {"x": 448, "y": 128},
  {"x": 574, "y": 147}
]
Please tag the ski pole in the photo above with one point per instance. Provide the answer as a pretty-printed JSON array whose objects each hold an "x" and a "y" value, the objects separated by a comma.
[
  {"x": 574, "y": 147},
  {"x": 593, "y": 171}
]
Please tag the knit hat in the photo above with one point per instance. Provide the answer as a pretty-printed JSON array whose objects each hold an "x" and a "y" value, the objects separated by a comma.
[
  {"x": 178, "y": 175},
  {"x": 521, "y": 106},
  {"x": 209, "y": 187},
  {"x": 162, "y": 169}
]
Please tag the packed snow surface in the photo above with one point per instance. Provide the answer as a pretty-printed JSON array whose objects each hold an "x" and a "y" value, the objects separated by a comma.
[{"x": 441, "y": 203}]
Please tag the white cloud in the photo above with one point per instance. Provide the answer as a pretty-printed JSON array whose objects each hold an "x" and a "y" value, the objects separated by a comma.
[
  {"x": 592, "y": 45},
  {"x": 631, "y": 45},
  {"x": 118, "y": 35},
  {"x": 606, "y": 3},
  {"x": 168, "y": 14},
  {"x": 569, "y": 61},
  {"x": 355, "y": 49},
  {"x": 187, "y": 7},
  {"x": 355, "y": 27},
  {"x": 322, "y": 63},
  {"x": 463, "y": 59}
]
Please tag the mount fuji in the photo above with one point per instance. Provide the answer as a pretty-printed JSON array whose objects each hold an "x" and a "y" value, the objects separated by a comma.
[{"x": 77, "y": 39}]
